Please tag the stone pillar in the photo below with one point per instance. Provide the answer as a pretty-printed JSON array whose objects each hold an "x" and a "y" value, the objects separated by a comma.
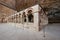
[
  {"x": 27, "y": 19},
  {"x": 15, "y": 18},
  {"x": 36, "y": 20},
  {"x": 19, "y": 18}
]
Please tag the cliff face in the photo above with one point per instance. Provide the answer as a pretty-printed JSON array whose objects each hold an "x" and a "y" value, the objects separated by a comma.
[
  {"x": 5, "y": 12},
  {"x": 6, "y": 9}
]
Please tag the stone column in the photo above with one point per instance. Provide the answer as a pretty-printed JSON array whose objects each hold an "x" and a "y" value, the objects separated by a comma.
[
  {"x": 19, "y": 18},
  {"x": 27, "y": 19},
  {"x": 15, "y": 18},
  {"x": 36, "y": 20}
]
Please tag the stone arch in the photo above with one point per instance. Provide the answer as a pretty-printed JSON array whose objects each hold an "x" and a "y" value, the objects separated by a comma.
[
  {"x": 24, "y": 17},
  {"x": 30, "y": 16}
]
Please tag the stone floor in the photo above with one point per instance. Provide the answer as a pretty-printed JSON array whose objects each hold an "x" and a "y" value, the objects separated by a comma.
[{"x": 9, "y": 31}]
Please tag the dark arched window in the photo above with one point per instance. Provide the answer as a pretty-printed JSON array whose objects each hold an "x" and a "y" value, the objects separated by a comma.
[
  {"x": 24, "y": 16},
  {"x": 30, "y": 16}
]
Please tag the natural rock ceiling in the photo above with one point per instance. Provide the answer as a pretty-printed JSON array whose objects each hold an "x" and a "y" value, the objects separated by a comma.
[
  {"x": 9, "y": 7},
  {"x": 22, "y": 4},
  {"x": 18, "y": 5},
  {"x": 8, "y": 3}
]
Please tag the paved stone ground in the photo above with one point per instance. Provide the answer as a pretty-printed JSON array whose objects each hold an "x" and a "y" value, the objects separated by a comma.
[{"x": 9, "y": 31}]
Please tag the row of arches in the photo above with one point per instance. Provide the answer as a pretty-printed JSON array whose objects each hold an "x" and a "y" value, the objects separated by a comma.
[
  {"x": 22, "y": 17},
  {"x": 32, "y": 19}
]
